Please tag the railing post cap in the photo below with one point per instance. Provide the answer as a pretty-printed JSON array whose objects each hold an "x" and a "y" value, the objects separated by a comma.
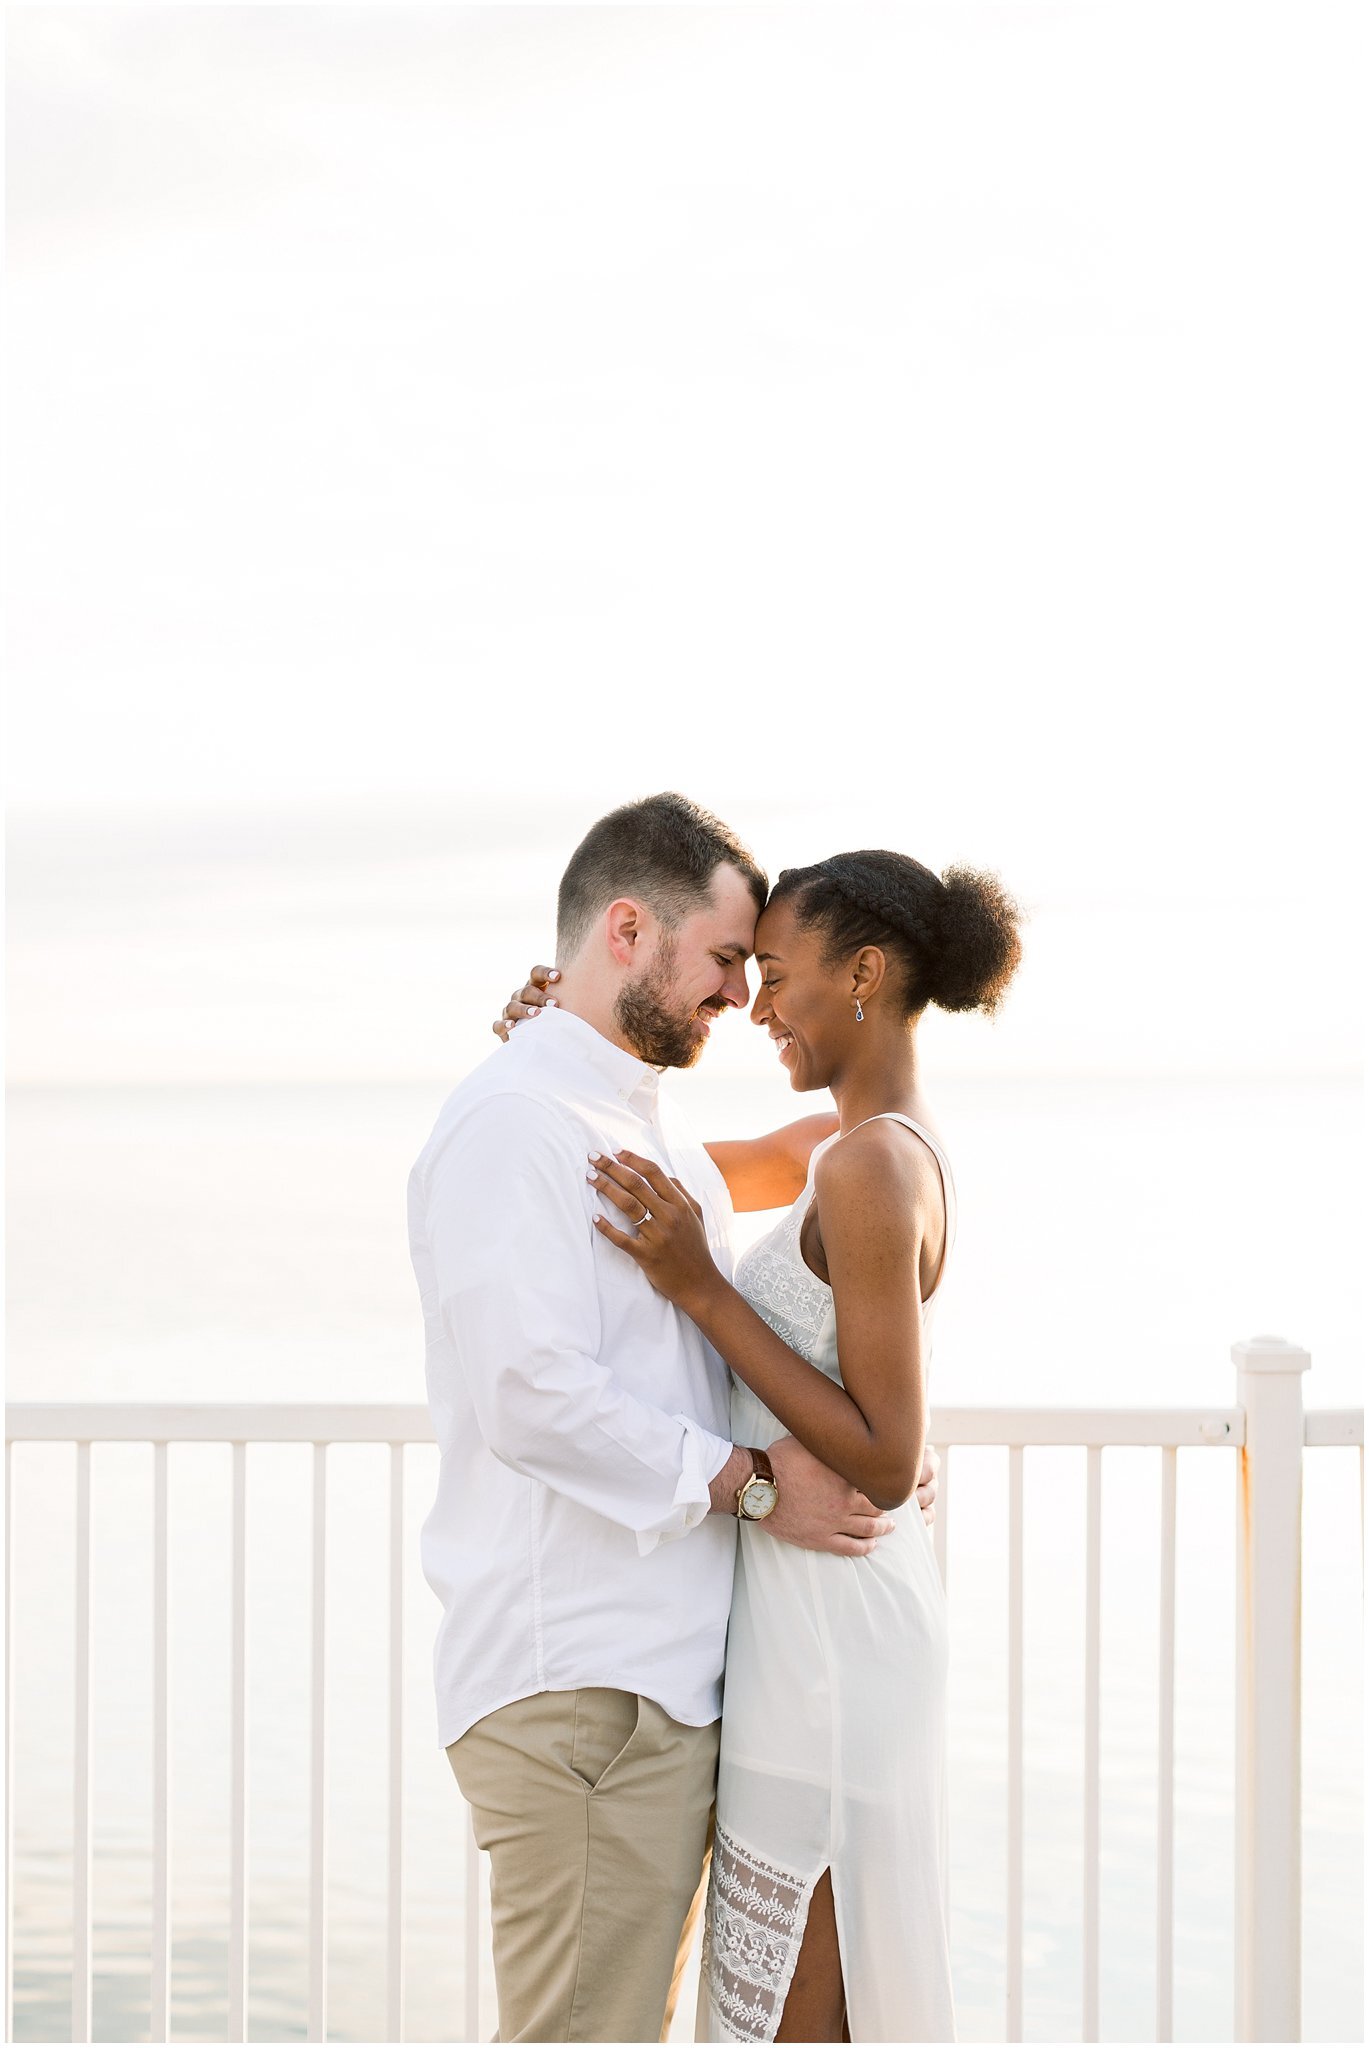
[{"x": 1270, "y": 1354}]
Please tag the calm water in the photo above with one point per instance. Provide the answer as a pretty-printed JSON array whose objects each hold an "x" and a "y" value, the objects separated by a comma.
[{"x": 248, "y": 1243}]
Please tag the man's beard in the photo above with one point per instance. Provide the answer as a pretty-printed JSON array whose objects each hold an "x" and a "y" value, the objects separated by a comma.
[{"x": 648, "y": 1015}]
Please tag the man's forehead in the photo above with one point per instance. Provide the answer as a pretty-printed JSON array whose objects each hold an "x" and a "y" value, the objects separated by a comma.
[
  {"x": 731, "y": 913},
  {"x": 730, "y": 891}
]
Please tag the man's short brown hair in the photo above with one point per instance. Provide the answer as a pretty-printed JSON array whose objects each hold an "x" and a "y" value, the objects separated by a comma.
[{"x": 664, "y": 850}]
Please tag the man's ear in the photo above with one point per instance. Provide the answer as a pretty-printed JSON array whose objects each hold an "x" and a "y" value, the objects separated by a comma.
[{"x": 623, "y": 929}]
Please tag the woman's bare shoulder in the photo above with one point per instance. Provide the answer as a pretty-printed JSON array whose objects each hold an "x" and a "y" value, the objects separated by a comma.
[{"x": 880, "y": 1162}]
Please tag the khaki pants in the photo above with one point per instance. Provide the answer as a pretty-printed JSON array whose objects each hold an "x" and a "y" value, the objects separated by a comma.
[{"x": 594, "y": 1807}]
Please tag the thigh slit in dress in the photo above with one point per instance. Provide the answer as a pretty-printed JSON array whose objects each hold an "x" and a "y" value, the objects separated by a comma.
[{"x": 833, "y": 1734}]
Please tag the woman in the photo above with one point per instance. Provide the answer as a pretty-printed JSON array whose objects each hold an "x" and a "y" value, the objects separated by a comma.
[{"x": 825, "y": 1912}]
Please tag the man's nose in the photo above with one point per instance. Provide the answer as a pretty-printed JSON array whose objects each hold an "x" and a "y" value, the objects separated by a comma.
[{"x": 735, "y": 990}]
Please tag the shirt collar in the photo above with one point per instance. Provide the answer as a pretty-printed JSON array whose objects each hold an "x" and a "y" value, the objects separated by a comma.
[{"x": 629, "y": 1077}]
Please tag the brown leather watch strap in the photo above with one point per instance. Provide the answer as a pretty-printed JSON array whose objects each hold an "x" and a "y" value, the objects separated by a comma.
[{"x": 764, "y": 1468}]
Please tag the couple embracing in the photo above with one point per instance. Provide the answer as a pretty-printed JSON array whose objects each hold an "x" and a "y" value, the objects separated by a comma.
[{"x": 659, "y": 1472}]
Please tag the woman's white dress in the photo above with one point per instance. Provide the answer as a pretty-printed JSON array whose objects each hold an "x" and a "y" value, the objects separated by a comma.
[{"x": 833, "y": 1733}]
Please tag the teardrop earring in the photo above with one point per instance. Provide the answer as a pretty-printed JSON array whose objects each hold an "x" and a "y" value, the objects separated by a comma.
[{"x": 860, "y": 1014}]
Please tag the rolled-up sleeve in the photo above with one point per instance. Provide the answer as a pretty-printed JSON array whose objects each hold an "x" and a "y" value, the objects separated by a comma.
[{"x": 508, "y": 1219}]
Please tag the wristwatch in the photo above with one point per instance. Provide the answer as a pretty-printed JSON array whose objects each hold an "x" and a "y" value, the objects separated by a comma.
[{"x": 760, "y": 1495}]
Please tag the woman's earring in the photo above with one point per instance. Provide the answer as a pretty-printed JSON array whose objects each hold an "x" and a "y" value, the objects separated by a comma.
[{"x": 860, "y": 1014}]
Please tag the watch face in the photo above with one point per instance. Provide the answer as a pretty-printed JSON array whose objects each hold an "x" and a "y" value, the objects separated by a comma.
[{"x": 758, "y": 1499}]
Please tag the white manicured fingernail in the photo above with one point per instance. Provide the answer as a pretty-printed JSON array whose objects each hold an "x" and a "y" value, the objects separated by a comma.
[{"x": 550, "y": 1003}]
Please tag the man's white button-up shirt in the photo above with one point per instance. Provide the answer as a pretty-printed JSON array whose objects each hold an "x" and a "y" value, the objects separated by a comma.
[{"x": 579, "y": 1415}]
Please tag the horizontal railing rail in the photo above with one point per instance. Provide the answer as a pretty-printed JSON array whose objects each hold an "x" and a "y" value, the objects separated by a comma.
[
  {"x": 373, "y": 1422},
  {"x": 1331, "y": 1427},
  {"x": 218, "y": 1422},
  {"x": 1268, "y": 1731}
]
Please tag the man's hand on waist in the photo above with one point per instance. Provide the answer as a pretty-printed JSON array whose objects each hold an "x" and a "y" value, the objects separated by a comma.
[{"x": 816, "y": 1509}]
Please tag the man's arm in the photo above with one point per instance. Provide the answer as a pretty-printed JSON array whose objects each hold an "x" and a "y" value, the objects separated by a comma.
[
  {"x": 508, "y": 1225},
  {"x": 768, "y": 1172},
  {"x": 727, "y": 1484}
]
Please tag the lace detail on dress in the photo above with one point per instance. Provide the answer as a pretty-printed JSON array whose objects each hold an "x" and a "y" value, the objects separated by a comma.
[
  {"x": 779, "y": 1286},
  {"x": 753, "y": 1930}
]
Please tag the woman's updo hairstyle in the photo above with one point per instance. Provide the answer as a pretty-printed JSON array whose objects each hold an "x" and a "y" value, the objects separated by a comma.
[{"x": 954, "y": 936}]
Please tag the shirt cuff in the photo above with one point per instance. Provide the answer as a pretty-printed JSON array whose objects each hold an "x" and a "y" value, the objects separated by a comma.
[{"x": 703, "y": 1459}]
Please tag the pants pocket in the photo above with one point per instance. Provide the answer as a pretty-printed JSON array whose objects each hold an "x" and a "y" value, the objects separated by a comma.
[{"x": 606, "y": 1722}]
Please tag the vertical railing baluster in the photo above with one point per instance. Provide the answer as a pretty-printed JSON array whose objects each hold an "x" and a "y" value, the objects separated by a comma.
[
  {"x": 1013, "y": 2030},
  {"x": 472, "y": 1933},
  {"x": 238, "y": 1851},
  {"x": 1092, "y": 1666},
  {"x": 395, "y": 1945},
  {"x": 1268, "y": 1759},
  {"x": 318, "y": 1762},
  {"x": 1164, "y": 1863},
  {"x": 81, "y": 2013},
  {"x": 161, "y": 1747},
  {"x": 9, "y": 1740},
  {"x": 939, "y": 1525}
]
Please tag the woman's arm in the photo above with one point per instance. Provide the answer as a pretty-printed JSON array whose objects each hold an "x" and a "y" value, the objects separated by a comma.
[
  {"x": 875, "y": 1204},
  {"x": 769, "y": 1172}
]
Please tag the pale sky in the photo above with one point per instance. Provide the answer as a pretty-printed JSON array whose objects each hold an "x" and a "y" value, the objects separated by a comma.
[{"x": 930, "y": 426}]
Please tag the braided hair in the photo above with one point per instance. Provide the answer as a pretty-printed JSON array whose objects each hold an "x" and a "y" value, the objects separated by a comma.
[{"x": 954, "y": 936}]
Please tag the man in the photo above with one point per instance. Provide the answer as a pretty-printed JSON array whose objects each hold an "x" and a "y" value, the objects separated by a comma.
[{"x": 582, "y": 1538}]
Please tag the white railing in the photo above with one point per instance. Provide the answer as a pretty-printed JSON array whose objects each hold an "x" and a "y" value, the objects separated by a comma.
[{"x": 1268, "y": 1428}]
